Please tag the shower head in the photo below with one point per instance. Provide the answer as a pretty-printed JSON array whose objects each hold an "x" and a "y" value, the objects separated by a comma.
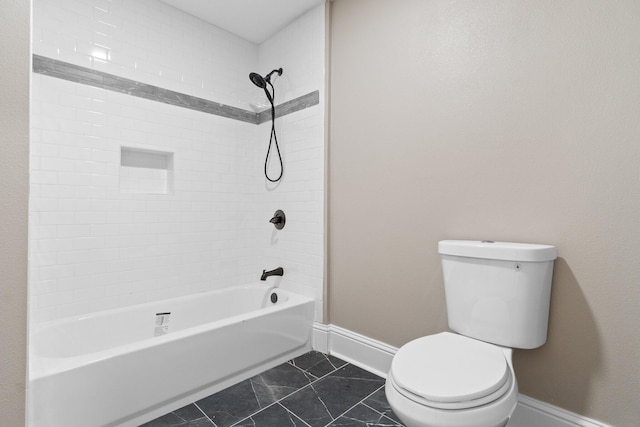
[{"x": 260, "y": 81}]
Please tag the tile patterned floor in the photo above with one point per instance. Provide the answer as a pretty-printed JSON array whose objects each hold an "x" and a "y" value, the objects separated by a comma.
[{"x": 313, "y": 390}]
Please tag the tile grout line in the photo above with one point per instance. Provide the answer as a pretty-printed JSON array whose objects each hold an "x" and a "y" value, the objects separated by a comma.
[
  {"x": 203, "y": 413},
  {"x": 324, "y": 376},
  {"x": 277, "y": 402},
  {"x": 335, "y": 368},
  {"x": 289, "y": 412},
  {"x": 381, "y": 414},
  {"x": 323, "y": 404},
  {"x": 257, "y": 412},
  {"x": 291, "y": 394},
  {"x": 359, "y": 402},
  {"x": 304, "y": 372}
]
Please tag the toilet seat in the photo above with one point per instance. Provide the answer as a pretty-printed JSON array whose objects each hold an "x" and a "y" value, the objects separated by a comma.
[{"x": 450, "y": 371}]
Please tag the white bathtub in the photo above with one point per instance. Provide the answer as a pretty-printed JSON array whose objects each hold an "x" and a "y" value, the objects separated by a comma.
[{"x": 108, "y": 368}]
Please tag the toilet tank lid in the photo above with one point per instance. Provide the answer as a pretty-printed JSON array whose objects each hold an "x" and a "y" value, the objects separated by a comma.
[{"x": 526, "y": 252}]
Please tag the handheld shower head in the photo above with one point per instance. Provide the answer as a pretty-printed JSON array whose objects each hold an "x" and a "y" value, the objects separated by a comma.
[
  {"x": 258, "y": 80},
  {"x": 261, "y": 82}
]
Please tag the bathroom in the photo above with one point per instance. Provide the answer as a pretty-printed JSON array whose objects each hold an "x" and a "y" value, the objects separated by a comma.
[{"x": 503, "y": 121}]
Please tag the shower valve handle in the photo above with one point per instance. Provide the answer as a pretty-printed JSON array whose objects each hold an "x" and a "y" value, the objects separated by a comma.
[{"x": 278, "y": 220}]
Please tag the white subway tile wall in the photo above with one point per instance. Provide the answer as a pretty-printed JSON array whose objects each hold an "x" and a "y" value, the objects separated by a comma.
[
  {"x": 94, "y": 247},
  {"x": 304, "y": 68},
  {"x": 299, "y": 49},
  {"x": 147, "y": 41}
]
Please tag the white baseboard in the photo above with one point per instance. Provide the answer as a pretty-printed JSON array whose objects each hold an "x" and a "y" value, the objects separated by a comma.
[
  {"x": 376, "y": 357},
  {"x": 532, "y": 412},
  {"x": 372, "y": 355}
]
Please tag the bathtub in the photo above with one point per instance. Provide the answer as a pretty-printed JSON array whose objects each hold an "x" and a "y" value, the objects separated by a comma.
[{"x": 126, "y": 366}]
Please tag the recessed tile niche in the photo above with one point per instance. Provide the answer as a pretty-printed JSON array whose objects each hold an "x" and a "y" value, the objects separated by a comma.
[{"x": 145, "y": 171}]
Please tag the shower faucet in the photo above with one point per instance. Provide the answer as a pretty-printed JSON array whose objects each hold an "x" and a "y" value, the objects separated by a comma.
[
  {"x": 279, "y": 219},
  {"x": 276, "y": 272}
]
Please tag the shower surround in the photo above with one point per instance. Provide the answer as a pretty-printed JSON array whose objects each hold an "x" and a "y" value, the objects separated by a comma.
[{"x": 133, "y": 199}]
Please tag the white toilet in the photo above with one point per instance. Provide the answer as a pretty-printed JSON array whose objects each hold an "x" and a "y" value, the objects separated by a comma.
[{"x": 497, "y": 299}]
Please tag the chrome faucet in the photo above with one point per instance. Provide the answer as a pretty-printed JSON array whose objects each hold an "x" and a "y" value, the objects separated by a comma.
[{"x": 276, "y": 272}]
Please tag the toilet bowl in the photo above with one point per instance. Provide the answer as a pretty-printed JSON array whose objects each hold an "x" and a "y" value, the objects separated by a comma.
[
  {"x": 454, "y": 381},
  {"x": 497, "y": 297}
]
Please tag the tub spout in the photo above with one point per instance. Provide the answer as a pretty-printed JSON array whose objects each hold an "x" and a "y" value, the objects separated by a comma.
[{"x": 277, "y": 272}]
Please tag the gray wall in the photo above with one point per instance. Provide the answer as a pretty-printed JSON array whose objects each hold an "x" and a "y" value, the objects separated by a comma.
[
  {"x": 513, "y": 121},
  {"x": 14, "y": 185}
]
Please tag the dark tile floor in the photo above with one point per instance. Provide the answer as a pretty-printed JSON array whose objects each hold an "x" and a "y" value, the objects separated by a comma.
[{"x": 313, "y": 390}]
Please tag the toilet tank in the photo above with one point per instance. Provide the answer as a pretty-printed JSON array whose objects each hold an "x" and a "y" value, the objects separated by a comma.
[{"x": 498, "y": 292}]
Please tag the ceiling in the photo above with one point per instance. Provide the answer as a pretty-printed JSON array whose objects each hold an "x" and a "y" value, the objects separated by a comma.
[{"x": 253, "y": 20}]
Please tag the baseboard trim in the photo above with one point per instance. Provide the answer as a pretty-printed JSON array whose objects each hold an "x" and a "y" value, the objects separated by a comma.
[
  {"x": 376, "y": 356},
  {"x": 370, "y": 354},
  {"x": 532, "y": 412}
]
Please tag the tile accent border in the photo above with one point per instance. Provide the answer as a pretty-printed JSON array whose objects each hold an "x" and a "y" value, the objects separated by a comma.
[
  {"x": 288, "y": 107},
  {"x": 375, "y": 356},
  {"x": 87, "y": 76}
]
